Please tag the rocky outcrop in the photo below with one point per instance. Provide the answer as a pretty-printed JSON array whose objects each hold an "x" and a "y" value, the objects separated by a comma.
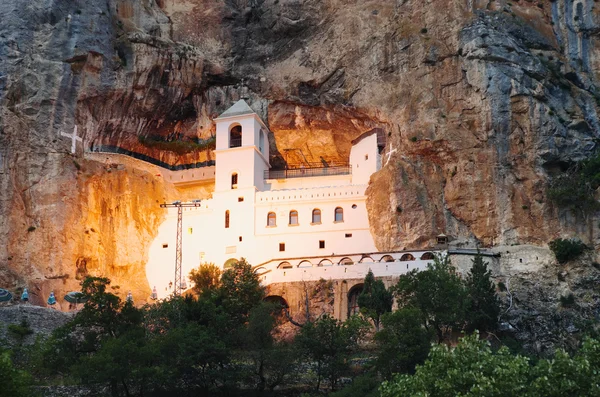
[{"x": 483, "y": 101}]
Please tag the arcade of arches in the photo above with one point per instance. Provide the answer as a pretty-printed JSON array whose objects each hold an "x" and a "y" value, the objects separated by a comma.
[{"x": 335, "y": 297}]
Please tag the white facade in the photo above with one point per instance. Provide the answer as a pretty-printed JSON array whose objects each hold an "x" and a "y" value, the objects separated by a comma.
[{"x": 238, "y": 220}]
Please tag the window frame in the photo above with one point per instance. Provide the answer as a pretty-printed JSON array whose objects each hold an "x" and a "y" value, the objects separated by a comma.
[
  {"x": 335, "y": 215},
  {"x": 314, "y": 222},
  {"x": 290, "y": 218},
  {"x": 274, "y": 219}
]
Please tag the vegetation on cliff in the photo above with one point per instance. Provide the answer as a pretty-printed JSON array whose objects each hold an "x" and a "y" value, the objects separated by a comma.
[{"x": 226, "y": 341}]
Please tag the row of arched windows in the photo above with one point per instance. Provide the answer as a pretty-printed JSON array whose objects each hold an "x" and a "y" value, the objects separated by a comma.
[
  {"x": 348, "y": 261},
  {"x": 316, "y": 217}
]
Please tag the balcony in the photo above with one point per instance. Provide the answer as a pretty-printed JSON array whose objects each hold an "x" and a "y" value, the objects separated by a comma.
[
  {"x": 307, "y": 172},
  {"x": 235, "y": 142}
]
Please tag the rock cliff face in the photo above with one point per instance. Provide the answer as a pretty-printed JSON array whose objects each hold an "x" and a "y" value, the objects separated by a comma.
[{"x": 483, "y": 102}]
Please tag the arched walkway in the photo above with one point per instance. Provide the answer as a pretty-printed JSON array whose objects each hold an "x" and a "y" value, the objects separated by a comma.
[
  {"x": 366, "y": 258},
  {"x": 305, "y": 264},
  {"x": 427, "y": 256},
  {"x": 407, "y": 257},
  {"x": 260, "y": 270},
  {"x": 284, "y": 265},
  {"x": 325, "y": 262},
  {"x": 346, "y": 261},
  {"x": 387, "y": 258}
]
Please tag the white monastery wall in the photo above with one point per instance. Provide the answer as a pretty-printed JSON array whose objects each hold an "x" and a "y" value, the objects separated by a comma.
[{"x": 234, "y": 223}]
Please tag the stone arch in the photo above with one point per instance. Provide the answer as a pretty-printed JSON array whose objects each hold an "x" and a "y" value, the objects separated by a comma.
[
  {"x": 387, "y": 258},
  {"x": 346, "y": 261},
  {"x": 281, "y": 306},
  {"x": 366, "y": 258},
  {"x": 284, "y": 265},
  {"x": 353, "y": 294},
  {"x": 305, "y": 264},
  {"x": 407, "y": 257},
  {"x": 427, "y": 256},
  {"x": 229, "y": 263},
  {"x": 235, "y": 135},
  {"x": 325, "y": 262}
]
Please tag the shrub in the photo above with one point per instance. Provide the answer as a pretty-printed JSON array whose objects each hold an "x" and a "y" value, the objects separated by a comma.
[
  {"x": 31, "y": 229},
  {"x": 414, "y": 139},
  {"x": 566, "y": 249},
  {"x": 424, "y": 30},
  {"x": 568, "y": 300}
]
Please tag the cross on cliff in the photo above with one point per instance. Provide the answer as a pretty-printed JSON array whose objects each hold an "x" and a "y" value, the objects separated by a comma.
[
  {"x": 74, "y": 139},
  {"x": 389, "y": 153}
]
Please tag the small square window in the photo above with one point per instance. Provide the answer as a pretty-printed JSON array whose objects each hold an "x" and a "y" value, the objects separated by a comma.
[
  {"x": 321, "y": 243},
  {"x": 165, "y": 245},
  {"x": 348, "y": 235},
  {"x": 281, "y": 247},
  {"x": 240, "y": 238},
  {"x": 190, "y": 230},
  {"x": 240, "y": 199}
]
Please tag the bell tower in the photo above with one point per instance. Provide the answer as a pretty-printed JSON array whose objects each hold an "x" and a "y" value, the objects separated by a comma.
[{"x": 242, "y": 152}]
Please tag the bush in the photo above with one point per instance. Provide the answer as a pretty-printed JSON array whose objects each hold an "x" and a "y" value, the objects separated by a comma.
[
  {"x": 568, "y": 300},
  {"x": 566, "y": 249}
]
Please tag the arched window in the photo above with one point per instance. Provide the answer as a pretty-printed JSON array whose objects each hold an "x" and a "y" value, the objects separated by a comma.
[
  {"x": 316, "y": 216},
  {"x": 229, "y": 263},
  {"x": 346, "y": 262},
  {"x": 387, "y": 258},
  {"x": 407, "y": 257},
  {"x": 427, "y": 256},
  {"x": 366, "y": 258},
  {"x": 325, "y": 262},
  {"x": 227, "y": 219},
  {"x": 284, "y": 265},
  {"x": 235, "y": 136},
  {"x": 234, "y": 180},
  {"x": 293, "y": 217},
  {"x": 271, "y": 219},
  {"x": 339, "y": 215},
  {"x": 305, "y": 264}
]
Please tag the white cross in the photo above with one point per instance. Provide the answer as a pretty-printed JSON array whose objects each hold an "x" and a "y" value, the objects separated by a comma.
[
  {"x": 389, "y": 153},
  {"x": 74, "y": 139}
]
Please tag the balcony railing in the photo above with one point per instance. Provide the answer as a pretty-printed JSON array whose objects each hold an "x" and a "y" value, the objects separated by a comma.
[
  {"x": 235, "y": 142},
  {"x": 308, "y": 172}
]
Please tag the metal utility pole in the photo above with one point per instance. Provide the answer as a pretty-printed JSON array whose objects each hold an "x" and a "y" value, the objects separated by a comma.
[{"x": 179, "y": 244}]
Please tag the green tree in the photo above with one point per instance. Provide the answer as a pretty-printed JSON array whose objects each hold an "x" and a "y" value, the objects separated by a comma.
[
  {"x": 402, "y": 343},
  {"x": 240, "y": 291},
  {"x": 327, "y": 344},
  {"x": 375, "y": 299},
  {"x": 566, "y": 249},
  {"x": 473, "y": 369},
  {"x": 438, "y": 293},
  {"x": 483, "y": 306},
  {"x": 271, "y": 360},
  {"x": 206, "y": 279},
  {"x": 13, "y": 382},
  {"x": 470, "y": 369}
]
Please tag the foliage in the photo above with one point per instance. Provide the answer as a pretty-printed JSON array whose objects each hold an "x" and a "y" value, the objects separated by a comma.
[
  {"x": 576, "y": 188},
  {"x": 20, "y": 331},
  {"x": 566, "y": 249},
  {"x": 473, "y": 369},
  {"x": 206, "y": 279},
  {"x": 438, "y": 293},
  {"x": 13, "y": 382},
  {"x": 483, "y": 307},
  {"x": 327, "y": 344},
  {"x": 366, "y": 385},
  {"x": 374, "y": 300},
  {"x": 240, "y": 291},
  {"x": 271, "y": 361},
  {"x": 402, "y": 343}
]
